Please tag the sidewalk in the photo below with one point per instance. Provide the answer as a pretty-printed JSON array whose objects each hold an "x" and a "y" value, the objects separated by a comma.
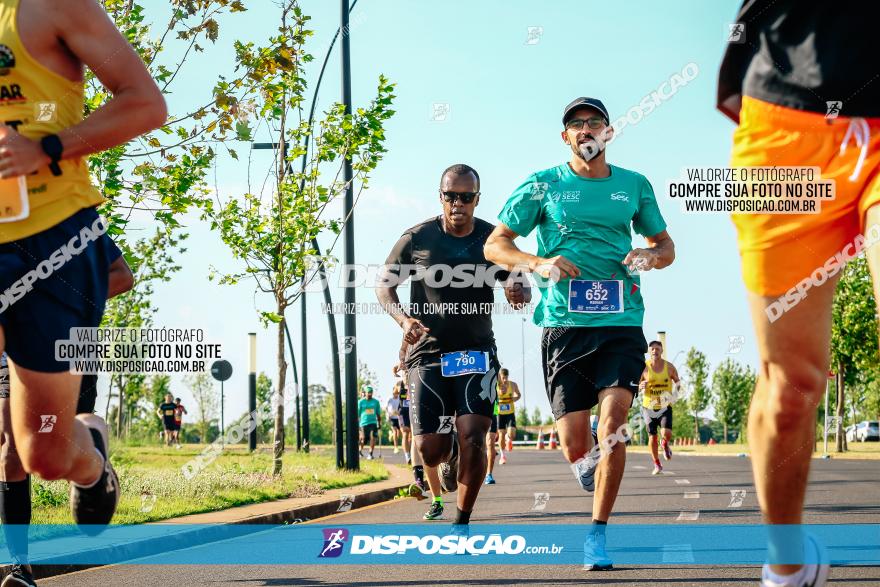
[{"x": 119, "y": 543}]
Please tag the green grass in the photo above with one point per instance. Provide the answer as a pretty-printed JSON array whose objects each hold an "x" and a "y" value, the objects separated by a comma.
[{"x": 154, "y": 487}]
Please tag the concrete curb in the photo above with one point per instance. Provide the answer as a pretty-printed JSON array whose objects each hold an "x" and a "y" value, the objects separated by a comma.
[{"x": 363, "y": 496}]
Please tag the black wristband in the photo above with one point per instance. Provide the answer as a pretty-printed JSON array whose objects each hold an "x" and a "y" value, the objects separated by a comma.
[{"x": 52, "y": 147}]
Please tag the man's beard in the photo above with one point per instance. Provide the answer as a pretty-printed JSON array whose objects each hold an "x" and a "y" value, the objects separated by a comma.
[{"x": 590, "y": 149}]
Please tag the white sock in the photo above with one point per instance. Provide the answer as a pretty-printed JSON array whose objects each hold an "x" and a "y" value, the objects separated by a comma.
[
  {"x": 101, "y": 474},
  {"x": 784, "y": 579}
]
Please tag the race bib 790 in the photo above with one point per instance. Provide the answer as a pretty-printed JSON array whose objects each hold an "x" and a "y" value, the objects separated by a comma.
[{"x": 464, "y": 363}]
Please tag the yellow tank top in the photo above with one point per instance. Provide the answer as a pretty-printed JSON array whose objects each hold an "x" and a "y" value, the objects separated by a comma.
[
  {"x": 658, "y": 385},
  {"x": 505, "y": 399},
  {"x": 37, "y": 102}
]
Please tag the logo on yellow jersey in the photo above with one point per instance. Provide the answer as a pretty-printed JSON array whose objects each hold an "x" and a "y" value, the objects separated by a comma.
[
  {"x": 11, "y": 94},
  {"x": 7, "y": 59}
]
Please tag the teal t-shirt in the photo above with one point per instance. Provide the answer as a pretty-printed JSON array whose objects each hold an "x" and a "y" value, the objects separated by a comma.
[
  {"x": 590, "y": 223},
  {"x": 368, "y": 411}
]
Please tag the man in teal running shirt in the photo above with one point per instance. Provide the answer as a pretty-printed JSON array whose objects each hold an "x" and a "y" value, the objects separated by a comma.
[
  {"x": 591, "y": 306},
  {"x": 370, "y": 415}
]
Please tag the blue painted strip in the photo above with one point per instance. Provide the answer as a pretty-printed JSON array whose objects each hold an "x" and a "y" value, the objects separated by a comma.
[{"x": 487, "y": 544}]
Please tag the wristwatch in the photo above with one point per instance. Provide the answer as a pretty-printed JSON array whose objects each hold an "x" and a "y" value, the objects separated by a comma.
[{"x": 52, "y": 147}]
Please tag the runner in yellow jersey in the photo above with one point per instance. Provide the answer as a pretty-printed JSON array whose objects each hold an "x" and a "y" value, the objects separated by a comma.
[
  {"x": 53, "y": 259},
  {"x": 508, "y": 394},
  {"x": 657, "y": 399}
]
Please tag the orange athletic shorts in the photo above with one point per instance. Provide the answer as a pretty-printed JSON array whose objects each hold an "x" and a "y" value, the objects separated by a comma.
[{"x": 780, "y": 250}]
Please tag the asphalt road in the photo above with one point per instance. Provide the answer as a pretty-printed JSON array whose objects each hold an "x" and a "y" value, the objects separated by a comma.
[{"x": 840, "y": 492}]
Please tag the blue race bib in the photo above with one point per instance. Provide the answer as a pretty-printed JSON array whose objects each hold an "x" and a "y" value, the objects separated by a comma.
[
  {"x": 595, "y": 296},
  {"x": 464, "y": 363}
]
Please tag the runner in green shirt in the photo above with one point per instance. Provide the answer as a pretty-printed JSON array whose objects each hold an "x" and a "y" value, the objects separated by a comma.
[
  {"x": 591, "y": 306},
  {"x": 370, "y": 416}
]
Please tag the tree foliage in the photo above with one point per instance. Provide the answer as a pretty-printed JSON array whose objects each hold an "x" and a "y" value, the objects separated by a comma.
[
  {"x": 696, "y": 375},
  {"x": 732, "y": 388},
  {"x": 271, "y": 231}
]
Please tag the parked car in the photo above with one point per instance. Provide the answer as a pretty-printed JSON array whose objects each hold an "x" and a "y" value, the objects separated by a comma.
[
  {"x": 866, "y": 431},
  {"x": 851, "y": 433}
]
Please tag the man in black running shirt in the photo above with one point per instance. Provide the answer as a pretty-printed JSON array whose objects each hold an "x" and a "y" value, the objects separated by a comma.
[{"x": 451, "y": 361}]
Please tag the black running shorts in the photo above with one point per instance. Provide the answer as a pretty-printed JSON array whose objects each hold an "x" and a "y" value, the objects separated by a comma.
[
  {"x": 435, "y": 400},
  {"x": 579, "y": 362},
  {"x": 663, "y": 419}
]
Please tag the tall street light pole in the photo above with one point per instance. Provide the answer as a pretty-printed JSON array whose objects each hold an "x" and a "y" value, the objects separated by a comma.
[
  {"x": 522, "y": 332},
  {"x": 349, "y": 328}
]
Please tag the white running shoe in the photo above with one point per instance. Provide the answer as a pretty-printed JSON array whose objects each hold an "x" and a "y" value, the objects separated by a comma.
[
  {"x": 585, "y": 472},
  {"x": 811, "y": 575}
]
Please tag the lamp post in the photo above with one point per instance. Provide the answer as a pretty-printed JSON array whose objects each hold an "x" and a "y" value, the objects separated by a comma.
[
  {"x": 252, "y": 389},
  {"x": 349, "y": 323},
  {"x": 522, "y": 333}
]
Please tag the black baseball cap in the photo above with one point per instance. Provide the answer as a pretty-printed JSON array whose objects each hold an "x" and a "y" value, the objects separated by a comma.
[{"x": 585, "y": 102}]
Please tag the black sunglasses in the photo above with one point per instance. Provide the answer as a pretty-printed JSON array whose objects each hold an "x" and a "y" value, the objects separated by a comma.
[
  {"x": 465, "y": 197},
  {"x": 594, "y": 122}
]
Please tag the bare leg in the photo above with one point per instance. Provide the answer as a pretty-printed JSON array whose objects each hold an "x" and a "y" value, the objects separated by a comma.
[
  {"x": 791, "y": 381},
  {"x": 432, "y": 449},
  {"x": 574, "y": 428},
  {"x": 68, "y": 451},
  {"x": 614, "y": 403},
  {"x": 491, "y": 453},
  {"x": 472, "y": 458}
]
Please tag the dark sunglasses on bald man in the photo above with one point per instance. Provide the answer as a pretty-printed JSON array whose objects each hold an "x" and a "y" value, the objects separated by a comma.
[{"x": 465, "y": 197}]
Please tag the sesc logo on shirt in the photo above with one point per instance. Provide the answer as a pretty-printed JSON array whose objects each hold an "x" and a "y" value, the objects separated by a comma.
[{"x": 620, "y": 197}]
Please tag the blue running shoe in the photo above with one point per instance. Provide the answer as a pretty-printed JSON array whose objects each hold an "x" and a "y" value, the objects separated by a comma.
[{"x": 595, "y": 557}]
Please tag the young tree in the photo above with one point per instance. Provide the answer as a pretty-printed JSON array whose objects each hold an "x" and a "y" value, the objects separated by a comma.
[
  {"x": 264, "y": 397},
  {"x": 201, "y": 385},
  {"x": 732, "y": 386},
  {"x": 522, "y": 417},
  {"x": 366, "y": 376},
  {"x": 696, "y": 373},
  {"x": 161, "y": 174},
  {"x": 272, "y": 233},
  {"x": 853, "y": 334}
]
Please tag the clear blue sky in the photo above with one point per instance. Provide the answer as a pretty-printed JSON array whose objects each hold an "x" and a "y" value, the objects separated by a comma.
[{"x": 505, "y": 98}]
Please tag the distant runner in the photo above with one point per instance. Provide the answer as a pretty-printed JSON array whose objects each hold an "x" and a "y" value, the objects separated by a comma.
[
  {"x": 167, "y": 412},
  {"x": 392, "y": 410},
  {"x": 657, "y": 399},
  {"x": 508, "y": 395},
  {"x": 370, "y": 415},
  {"x": 179, "y": 411}
]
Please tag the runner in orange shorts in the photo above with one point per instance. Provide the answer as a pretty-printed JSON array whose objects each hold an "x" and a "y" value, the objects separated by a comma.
[{"x": 802, "y": 80}]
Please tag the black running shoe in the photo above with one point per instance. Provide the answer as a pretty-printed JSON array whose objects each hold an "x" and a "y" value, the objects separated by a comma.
[
  {"x": 19, "y": 577},
  {"x": 93, "y": 507},
  {"x": 435, "y": 511}
]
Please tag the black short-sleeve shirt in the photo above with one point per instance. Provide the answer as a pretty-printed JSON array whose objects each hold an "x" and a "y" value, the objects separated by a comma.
[{"x": 451, "y": 286}]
